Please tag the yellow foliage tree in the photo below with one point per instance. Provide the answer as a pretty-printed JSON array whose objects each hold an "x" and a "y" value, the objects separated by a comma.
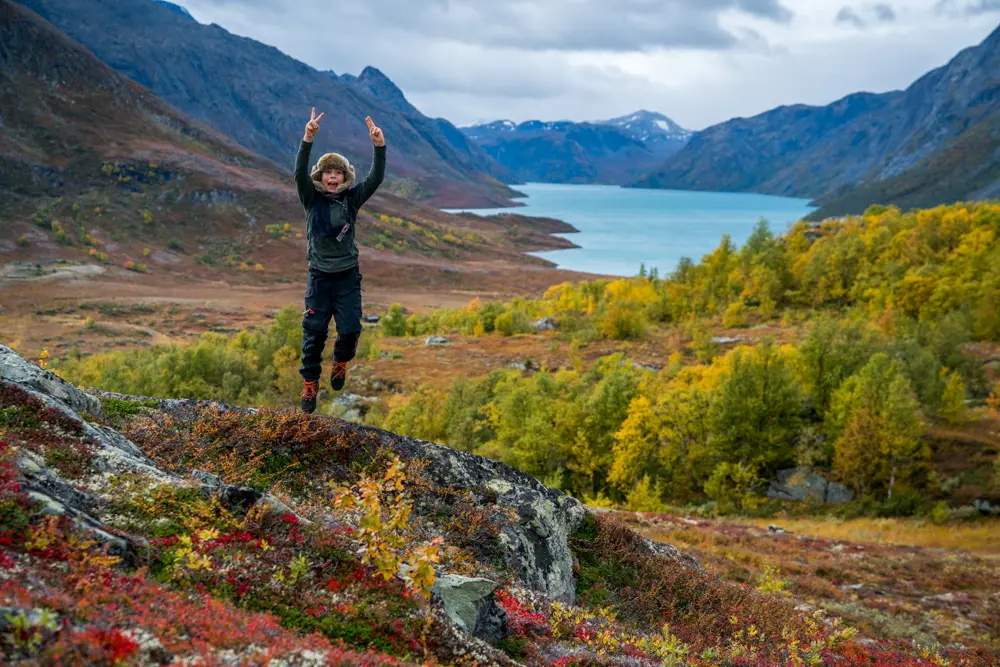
[
  {"x": 953, "y": 409},
  {"x": 384, "y": 512}
]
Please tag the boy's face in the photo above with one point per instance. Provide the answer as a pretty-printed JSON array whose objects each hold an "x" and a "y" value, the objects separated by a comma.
[{"x": 333, "y": 179}]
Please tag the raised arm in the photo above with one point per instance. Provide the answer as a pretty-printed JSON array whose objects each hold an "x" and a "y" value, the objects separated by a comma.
[
  {"x": 376, "y": 174},
  {"x": 303, "y": 179}
]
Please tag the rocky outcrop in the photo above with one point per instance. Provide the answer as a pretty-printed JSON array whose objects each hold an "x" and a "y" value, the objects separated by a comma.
[
  {"x": 535, "y": 546},
  {"x": 13, "y": 368},
  {"x": 470, "y": 605},
  {"x": 113, "y": 491},
  {"x": 111, "y": 454},
  {"x": 801, "y": 484}
]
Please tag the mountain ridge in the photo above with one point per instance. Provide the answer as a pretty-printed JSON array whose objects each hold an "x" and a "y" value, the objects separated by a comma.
[
  {"x": 260, "y": 97},
  {"x": 649, "y": 126},
  {"x": 862, "y": 149},
  {"x": 110, "y": 116},
  {"x": 608, "y": 152}
]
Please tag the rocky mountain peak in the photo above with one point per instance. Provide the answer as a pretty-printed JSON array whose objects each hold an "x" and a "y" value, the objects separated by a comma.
[{"x": 649, "y": 127}]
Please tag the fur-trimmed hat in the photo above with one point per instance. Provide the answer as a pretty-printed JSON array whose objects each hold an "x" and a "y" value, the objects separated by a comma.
[{"x": 333, "y": 162}]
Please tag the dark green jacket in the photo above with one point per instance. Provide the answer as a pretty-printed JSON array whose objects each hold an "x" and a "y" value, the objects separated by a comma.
[{"x": 331, "y": 218}]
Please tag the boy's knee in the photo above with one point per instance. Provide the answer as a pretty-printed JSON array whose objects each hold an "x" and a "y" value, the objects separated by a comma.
[
  {"x": 315, "y": 321},
  {"x": 349, "y": 339},
  {"x": 346, "y": 346}
]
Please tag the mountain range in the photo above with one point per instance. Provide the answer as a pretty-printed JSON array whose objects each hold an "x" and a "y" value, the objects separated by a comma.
[
  {"x": 615, "y": 151},
  {"x": 937, "y": 141},
  {"x": 260, "y": 97}
]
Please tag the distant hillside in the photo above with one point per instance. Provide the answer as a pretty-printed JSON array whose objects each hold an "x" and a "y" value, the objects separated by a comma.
[
  {"x": 74, "y": 130},
  {"x": 614, "y": 151},
  {"x": 934, "y": 142},
  {"x": 95, "y": 167},
  {"x": 261, "y": 98}
]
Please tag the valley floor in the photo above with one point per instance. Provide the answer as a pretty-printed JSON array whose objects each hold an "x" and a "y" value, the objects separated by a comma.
[
  {"x": 132, "y": 310},
  {"x": 890, "y": 578}
]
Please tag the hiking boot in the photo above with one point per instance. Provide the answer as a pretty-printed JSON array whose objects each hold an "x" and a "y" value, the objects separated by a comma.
[
  {"x": 309, "y": 388},
  {"x": 339, "y": 375}
]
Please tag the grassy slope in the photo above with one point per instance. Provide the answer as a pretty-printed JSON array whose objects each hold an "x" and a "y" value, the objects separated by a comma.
[
  {"x": 217, "y": 581},
  {"x": 966, "y": 167},
  {"x": 894, "y": 579}
]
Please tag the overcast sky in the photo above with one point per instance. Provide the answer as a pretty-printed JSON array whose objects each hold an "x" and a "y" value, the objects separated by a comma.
[{"x": 698, "y": 61}]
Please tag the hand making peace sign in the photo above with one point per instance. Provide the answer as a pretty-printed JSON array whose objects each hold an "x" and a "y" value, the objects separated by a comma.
[
  {"x": 375, "y": 132},
  {"x": 312, "y": 127}
]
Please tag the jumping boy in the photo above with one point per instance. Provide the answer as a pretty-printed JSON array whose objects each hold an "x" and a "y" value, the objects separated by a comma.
[{"x": 331, "y": 201}]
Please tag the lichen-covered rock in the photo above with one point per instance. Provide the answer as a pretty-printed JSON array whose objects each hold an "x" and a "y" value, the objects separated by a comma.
[
  {"x": 57, "y": 497},
  {"x": 536, "y": 547},
  {"x": 469, "y": 604},
  {"x": 802, "y": 484},
  {"x": 15, "y": 368},
  {"x": 113, "y": 453},
  {"x": 671, "y": 552}
]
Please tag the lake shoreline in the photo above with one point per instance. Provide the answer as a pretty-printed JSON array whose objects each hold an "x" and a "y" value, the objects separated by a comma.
[{"x": 617, "y": 230}]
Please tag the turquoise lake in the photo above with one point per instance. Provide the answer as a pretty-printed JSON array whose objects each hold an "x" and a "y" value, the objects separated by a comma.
[{"x": 622, "y": 228}]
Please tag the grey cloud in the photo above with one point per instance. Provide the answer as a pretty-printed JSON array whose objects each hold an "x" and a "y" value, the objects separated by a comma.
[
  {"x": 462, "y": 79},
  {"x": 983, "y": 6},
  {"x": 884, "y": 13},
  {"x": 968, "y": 8},
  {"x": 562, "y": 25},
  {"x": 753, "y": 41},
  {"x": 881, "y": 12},
  {"x": 769, "y": 9},
  {"x": 846, "y": 15}
]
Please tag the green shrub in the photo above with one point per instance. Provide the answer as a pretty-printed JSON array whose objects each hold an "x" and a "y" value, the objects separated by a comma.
[
  {"x": 734, "y": 317},
  {"x": 511, "y": 322},
  {"x": 393, "y": 323},
  {"x": 733, "y": 487},
  {"x": 368, "y": 347}
]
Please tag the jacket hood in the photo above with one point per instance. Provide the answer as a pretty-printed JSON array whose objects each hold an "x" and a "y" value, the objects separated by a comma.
[{"x": 329, "y": 162}]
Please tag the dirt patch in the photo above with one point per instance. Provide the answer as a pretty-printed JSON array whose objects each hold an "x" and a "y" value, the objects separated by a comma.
[
  {"x": 165, "y": 257},
  {"x": 48, "y": 303},
  {"x": 50, "y": 270}
]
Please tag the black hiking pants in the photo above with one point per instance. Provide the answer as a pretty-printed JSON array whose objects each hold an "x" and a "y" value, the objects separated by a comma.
[{"x": 336, "y": 295}]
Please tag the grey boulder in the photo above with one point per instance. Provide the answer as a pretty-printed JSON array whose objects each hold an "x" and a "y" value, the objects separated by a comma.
[{"x": 470, "y": 605}]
